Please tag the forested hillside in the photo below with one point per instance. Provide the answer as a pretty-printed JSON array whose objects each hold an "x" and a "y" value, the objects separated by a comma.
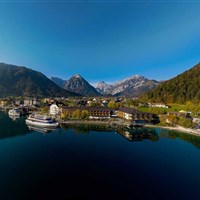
[
  {"x": 184, "y": 87},
  {"x": 22, "y": 81}
]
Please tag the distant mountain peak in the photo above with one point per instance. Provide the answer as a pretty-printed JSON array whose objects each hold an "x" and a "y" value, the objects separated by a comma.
[
  {"x": 103, "y": 88},
  {"x": 77, "y": 76},
  {"x": 132, "y": 86},
  {"x": 79, "y": 85},
  {"x": 102, "y": 82},
  {"x": 134, "y": 77}
]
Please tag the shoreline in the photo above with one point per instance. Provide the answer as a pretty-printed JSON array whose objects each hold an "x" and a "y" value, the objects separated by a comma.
[{"x": 178, "y": 128}]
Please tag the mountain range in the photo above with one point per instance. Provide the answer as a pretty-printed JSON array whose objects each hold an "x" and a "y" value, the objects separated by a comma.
[
  {"x": 131, "y": 87},
  {"x": 22, "y": 81}
]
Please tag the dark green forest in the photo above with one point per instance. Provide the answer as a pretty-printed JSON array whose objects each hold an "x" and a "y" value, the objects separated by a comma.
[{"x": 184, "y": 87}]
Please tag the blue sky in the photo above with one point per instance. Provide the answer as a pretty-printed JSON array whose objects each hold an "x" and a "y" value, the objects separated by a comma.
[{"x": 101, "y": 40}]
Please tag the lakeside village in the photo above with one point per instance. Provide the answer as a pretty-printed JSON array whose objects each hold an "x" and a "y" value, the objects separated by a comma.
[{"x": 112, "y": 110}]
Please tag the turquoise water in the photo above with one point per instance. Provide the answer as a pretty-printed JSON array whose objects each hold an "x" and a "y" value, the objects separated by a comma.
[{"x": 96, "y": 163}]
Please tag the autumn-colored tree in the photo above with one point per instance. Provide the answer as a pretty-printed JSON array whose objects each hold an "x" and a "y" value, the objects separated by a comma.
[
  {"x": 118, "y": 105},
  {"x": 84, "y": 114},
  {"x": 185, "y": 122},
  {"x": 65, "y": 115},
  {"x": 44, "y": 110},
  {"x": 76, "y": 114},
  {"x": 111, "y": 104},
  {"x": 173, "y": 119}
]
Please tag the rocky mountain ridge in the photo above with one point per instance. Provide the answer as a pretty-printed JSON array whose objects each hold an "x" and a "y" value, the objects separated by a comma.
[
  {"x": 79, "y": 85},
  {"x": 133, "y": 86}
]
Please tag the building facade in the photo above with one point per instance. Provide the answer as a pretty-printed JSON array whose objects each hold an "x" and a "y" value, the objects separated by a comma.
[
  {"x": 54, "y": 109},
  {"x": 134, "y": 115},
  {"x": 158, "y": 105},
  {"x": 94, "y": 112}
]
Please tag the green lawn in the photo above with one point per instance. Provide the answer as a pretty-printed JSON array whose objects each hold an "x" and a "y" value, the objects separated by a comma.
[{"x": 173, "y": 107}]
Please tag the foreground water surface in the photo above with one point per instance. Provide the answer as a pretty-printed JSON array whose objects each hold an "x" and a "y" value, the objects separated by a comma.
[{"x": 96, "y": 162}]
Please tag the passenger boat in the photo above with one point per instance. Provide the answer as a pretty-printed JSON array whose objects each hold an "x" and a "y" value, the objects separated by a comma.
[
  {"x": 14, "y": 112},
  {"x": 41, "y": 121}
]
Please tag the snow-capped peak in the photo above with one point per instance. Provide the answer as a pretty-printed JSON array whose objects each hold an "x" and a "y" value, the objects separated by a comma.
[{"x": 77, "y": 76}]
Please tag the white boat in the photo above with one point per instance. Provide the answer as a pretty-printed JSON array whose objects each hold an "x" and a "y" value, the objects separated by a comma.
[
  {"x": 41, "y": 121},
  {"x": 14, "y": 112}
]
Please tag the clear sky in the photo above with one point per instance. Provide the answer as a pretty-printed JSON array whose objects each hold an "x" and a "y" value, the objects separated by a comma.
[{"x": 101, "y": 40}]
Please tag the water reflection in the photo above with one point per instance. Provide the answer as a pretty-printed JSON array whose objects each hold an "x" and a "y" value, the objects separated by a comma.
[
  {"x": 14, "y": 117},
  {"x": 40, "y": 129},
  {"x": 135, "y": 134},
  {"x": 10, "y": 128},
  {"x": 138, "y": 134},
  {"x": 192, "y": 139},
  {"x": 99, "y": 165},
  {"x": 86, "y": 128}
]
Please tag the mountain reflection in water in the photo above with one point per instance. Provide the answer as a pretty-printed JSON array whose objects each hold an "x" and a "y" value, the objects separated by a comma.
[{"x": 135, "y": 134}]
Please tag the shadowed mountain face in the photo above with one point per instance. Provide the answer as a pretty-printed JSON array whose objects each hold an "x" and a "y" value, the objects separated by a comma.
[
  {"x": 22, "y": 81},
  {"x": 184, "y": 87},
  {"x": 130, "y": 87},
  {"x": 79, "y": 85},
  {"x": 58, "y": 81}
]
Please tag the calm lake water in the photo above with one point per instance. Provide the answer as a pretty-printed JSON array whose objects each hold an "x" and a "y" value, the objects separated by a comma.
[{"x": 93, "y": 162}]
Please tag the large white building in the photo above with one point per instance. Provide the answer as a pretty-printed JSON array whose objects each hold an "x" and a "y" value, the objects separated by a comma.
[{"x": 54, "y": 109}]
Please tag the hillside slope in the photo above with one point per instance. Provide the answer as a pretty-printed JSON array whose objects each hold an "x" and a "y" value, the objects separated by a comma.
[
  {"x": 22, "y": 81},
  {"x": 180, "y": 89},
  {"x": 58, "y": 81}
]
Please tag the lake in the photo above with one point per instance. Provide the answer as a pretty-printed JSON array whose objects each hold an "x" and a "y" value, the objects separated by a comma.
[{"x": 96, "y": 162}]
